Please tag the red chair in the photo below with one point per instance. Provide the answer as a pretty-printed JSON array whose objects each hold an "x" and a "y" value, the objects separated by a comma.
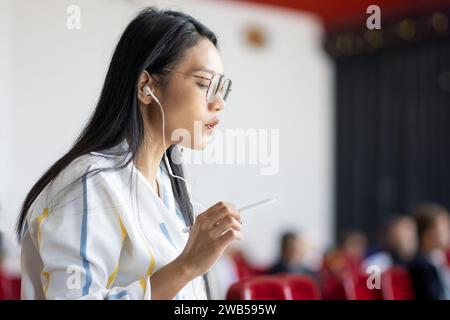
[
  {"x": 2, "y": 288},
  {"x": 9, "y": 287},
  {"x": 16, "y": 284},
  {"x": 396, "y": 284},
  {"x": 356, "y": 288},
  {"x": 259, "y": 288},
  {"x": 331, "y": 287},
  {"x": 300, "y": 287},
  {"x": 336, "y": 269},
  {"x": 244, "y": 268}
]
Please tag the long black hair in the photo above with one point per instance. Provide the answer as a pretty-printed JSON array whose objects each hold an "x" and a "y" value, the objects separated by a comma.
[{"x": 154, "y": 40}]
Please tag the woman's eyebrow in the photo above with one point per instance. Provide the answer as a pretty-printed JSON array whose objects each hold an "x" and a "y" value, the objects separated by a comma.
[{"x": 204, "y": 69}]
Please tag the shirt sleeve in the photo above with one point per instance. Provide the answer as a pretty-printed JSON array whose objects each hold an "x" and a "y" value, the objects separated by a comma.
[{"x": 80, "y": 240}]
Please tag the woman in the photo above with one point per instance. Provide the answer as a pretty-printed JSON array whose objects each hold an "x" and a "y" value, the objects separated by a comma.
[{"x": 106, "y": 220}]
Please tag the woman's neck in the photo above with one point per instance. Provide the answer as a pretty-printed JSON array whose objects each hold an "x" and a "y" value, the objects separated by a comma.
[{"x": 149, "y": 156}]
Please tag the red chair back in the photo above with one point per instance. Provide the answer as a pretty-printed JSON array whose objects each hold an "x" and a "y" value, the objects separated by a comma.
[
  {"x": 301, "y": 287},
  {"x": 331, "y": 287},
  {"x": 396, "y": 284},
  {"x": 244, "y": 268},
  {"x": 258, "y": 288},
  {"x": 9, "y": 287},
  {"x": 447, "y": 254},
  {"x": 2, "y": 287},
  {"x": 16, "y": 284},
  {"x": 356, "y": 288}
]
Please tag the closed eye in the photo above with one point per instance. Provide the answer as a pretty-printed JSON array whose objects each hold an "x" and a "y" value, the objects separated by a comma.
[{"x": 202, "y": 86}]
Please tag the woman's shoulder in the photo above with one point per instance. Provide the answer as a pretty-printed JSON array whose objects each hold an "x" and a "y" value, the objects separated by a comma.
[
  {"x": 82, "y": 166},
  {"x": 69, "y": 182}
]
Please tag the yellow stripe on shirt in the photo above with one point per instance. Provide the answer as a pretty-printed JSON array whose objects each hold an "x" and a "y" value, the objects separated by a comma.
[
  {"x": 123, "y": 230},
  {"x": 151, "y": 267},
  {"x": 143, "y": 283},
  {"x": 40, "y": 218},
  {"x": 113, "y": 275},
  {"x": 46, "y": 277}
]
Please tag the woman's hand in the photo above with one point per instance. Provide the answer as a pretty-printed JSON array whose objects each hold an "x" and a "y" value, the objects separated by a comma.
[{"x": 211, "y": 233}]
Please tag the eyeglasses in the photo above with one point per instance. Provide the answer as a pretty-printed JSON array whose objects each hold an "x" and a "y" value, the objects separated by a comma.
[{"x": 218, "y": 84}]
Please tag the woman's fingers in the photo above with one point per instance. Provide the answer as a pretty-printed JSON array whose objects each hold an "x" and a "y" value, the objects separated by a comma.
[
  {"x": 228, "y": 222},
  {"x": 229, "y": 236},
  {"x": 219, "y": 206},
  {"x": 223, "y": 211},
  {"x": 213, "y": 230}
]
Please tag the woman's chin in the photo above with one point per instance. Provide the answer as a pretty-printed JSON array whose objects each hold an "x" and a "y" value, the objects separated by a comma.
[
  {"x": 198, "y": 144},
  {"x": 202, "y": 145}
]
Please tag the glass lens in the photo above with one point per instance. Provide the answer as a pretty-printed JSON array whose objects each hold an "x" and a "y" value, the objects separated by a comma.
[
  {"x": 226, "y": 87},
  {"x": 213, "y": 87}
]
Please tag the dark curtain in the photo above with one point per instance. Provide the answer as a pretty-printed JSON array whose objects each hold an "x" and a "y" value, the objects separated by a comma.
[{"x": 392, "y": 133}]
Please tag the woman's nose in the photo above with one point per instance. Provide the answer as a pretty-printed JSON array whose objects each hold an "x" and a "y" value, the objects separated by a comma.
[{"x": 217, "y": 104}]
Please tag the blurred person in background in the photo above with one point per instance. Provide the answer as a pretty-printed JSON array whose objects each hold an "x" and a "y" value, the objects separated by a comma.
[
  {"x": 292, "y": 255},
  {"x": 429, "y": 269},
  {"x": 341, "y": 263},
  {"x": 399, "y": 243},
  {"x": 349, "y": 254}
]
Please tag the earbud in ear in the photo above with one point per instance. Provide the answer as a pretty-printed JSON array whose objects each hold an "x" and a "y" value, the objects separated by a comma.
[{"x": 147, "y": 90}]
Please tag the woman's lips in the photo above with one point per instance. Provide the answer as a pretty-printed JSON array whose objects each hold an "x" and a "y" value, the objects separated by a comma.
[{"x": 212, "y": 124}]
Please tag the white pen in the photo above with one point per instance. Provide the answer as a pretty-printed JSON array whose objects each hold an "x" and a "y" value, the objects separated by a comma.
[{"x": 245, "y": 208}]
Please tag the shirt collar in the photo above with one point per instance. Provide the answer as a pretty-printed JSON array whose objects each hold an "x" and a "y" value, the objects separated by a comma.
[{"x": 118, "y": 150}]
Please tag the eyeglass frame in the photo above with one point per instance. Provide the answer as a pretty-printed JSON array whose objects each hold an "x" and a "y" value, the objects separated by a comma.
[{"x": 221, "y": 82}]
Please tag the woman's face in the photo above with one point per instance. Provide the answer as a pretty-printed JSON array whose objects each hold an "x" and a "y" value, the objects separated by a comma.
[
  {"x": 442, "y": 227},
  {"x": 187, "y": 112}
]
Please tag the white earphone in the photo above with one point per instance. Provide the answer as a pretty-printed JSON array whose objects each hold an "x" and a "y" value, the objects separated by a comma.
[{"x": 149, "y": 92}]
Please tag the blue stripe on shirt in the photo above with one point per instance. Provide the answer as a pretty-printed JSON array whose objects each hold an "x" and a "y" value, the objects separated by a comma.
[
  {"x": 163, "y": 227},
  {"x": 87, "y": 269},
  {"x": 164, "y": 187},
  {"x": 117, "y": 296},
  {"x": 180, "y": 216}
]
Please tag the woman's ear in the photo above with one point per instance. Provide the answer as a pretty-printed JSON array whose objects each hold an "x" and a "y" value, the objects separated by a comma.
[{"x": 145, "y": 80}]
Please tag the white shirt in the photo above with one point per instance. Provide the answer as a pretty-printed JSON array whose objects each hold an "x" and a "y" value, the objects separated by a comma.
[{"x": 104, "y": 237}]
